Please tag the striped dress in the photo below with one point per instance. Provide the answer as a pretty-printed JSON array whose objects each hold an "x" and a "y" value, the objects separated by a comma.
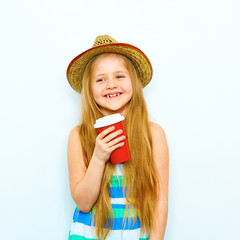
[{"x": 81, "y": 223}]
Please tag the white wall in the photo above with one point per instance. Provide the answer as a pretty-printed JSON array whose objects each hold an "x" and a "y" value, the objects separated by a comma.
[{"x": 194, "y": 96}]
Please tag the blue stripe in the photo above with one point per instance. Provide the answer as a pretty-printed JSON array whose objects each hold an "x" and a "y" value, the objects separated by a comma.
[
  {"x": 119, "y": 206},
  {"x": 82, "y": 217},
  {"x": 116, "y": 192},
  {"x": 85, "y": 218}
]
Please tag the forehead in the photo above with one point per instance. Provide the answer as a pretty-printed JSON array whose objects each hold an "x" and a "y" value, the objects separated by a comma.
[
  {"x": 108, "y": 57},
  {"x": 107, "y": 64}
]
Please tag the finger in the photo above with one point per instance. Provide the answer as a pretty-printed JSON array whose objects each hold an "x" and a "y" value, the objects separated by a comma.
[
  {"x": 105, "y": 132},
  {"x": 112, "y": 135},
  {"x": 111, "y": 149},
  {"x": 115, "y": 141}
]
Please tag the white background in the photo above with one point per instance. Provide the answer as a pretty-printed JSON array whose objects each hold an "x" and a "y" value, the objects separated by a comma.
[{"x": 194, "y": 96}]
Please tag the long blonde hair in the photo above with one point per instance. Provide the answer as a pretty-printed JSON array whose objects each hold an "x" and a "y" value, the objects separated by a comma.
[{"x": 140, "y": 175}]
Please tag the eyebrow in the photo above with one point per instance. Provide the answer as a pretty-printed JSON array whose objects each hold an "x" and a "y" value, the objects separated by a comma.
[{"x": 101, "y": 74}]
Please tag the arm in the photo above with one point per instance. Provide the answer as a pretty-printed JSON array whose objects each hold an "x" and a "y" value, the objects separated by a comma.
[
  {"x": 84, "y": 183},
  {"x": 161, "y": 158}
]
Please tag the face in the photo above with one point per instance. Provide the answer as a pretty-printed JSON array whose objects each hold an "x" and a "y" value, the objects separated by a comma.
[{"x": 111, "y": 85}]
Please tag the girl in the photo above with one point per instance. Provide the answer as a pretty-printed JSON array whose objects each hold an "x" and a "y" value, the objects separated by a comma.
[{"x": 116, "y": 201}]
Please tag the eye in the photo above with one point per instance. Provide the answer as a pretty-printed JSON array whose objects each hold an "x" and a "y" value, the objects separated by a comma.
[
  {"x": 120, "y": 76},
  {"x": 100, "y": 80}
]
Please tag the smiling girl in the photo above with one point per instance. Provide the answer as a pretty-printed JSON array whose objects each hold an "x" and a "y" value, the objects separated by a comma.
[
  {"x": 111, "y": 86},
  {"x": 116, "y": 201}
]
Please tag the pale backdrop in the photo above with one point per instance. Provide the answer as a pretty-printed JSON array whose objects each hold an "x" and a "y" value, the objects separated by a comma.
[{"x": 194, "y": 96}]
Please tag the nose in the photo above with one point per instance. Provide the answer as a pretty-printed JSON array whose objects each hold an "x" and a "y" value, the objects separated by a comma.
[{"x": 111, "y": 83}]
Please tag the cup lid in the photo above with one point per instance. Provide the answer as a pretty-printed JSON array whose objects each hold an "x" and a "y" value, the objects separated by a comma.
[{"x": 108, "y": 120}]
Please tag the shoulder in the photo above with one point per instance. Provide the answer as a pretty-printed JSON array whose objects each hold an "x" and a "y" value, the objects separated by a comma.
[
  {"x": 74, "y": 133},
  {"x": 74, "y": 147},
  {"x": 159, "y": 142},
  {"x": 156, "y": 130},
  {"x": 74, "y": 142}
]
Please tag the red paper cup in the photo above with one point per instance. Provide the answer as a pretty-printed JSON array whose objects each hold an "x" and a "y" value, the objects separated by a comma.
[{"x": 120, "y": 154}]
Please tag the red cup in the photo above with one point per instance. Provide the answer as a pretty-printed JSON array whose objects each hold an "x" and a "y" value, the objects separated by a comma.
[{"x": 120, "y": 154}]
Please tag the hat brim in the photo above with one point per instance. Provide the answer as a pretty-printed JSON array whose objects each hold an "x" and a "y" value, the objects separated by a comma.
[{"x": 140, "y": 61}]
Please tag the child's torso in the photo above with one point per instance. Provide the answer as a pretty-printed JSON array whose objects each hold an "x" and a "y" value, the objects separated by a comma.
[{"x": 81, "y": 225}]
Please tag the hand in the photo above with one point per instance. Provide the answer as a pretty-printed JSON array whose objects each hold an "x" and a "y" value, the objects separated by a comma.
[{"x": 105, "y": 145}]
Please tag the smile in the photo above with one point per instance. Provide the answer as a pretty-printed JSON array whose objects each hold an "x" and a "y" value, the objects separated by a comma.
[{"x": 113, "y": 96}]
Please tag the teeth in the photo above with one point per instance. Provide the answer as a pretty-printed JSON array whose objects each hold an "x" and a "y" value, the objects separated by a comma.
[{"x": 115, "y": 95}]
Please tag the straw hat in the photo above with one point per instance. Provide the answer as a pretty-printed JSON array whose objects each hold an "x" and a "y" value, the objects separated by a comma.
[{"x": 107, "y": 44}]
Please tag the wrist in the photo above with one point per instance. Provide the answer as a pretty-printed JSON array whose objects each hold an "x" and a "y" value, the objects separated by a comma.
[{"x": 98, "y": 162}]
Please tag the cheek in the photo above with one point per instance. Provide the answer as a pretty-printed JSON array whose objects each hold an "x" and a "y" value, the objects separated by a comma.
[
  {"x": 96, "y": 92},
  {"x": 128, "y": 87}
]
